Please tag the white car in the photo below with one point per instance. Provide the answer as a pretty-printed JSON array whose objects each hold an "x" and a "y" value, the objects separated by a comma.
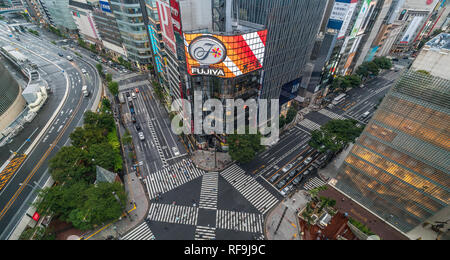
[
  {"x": 133, "y": 95},
  {"x": 141, "y": 136},
  {"x": 288, "y": 167},
  {"x": 84, "y": 71},
  {"x": 308, "y": 160}
]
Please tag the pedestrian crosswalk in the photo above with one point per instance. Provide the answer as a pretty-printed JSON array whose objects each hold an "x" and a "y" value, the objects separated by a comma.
[
  {"x": 172, "y": 177},
  {"x": 205, "y": 233},
  {"x": 309, "y": 124},
  {"x": 239, "y": 221},
  {"x": 260, "y": 237},
  {"x": 157, "y": 144},
  {"x": 208, "y": 194},
  {"x": 142, "y": 232},
  {"x": 331, "y": 115},
  {"x": 254, "y": 192},
  {"x": 314, "y": 183},
  {"x": 175, "y": 214}
]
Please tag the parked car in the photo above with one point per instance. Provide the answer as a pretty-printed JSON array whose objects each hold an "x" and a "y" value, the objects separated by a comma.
[
  {"x": 297, "y": 180},
  {"x": 285, "y": 191},
  {"x": 308, "y": 160},
  {"x": 275, "y": 177},
  {"x": 306, "y": 172},
  {"x": 281, "y": 184},
  {"x": 287, "y": 167},
  {"x": 141, "y": 136},
  {"x": 292, "y": 173}
]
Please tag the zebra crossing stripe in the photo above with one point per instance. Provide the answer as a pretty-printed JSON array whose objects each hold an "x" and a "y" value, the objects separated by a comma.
[
  {"x": 309, "y": 124},
  {"x": 239, "y": 221},
  {"x": 205, "y": 233},
  {"x": 172, "y": 177},
  {"x": 331, "y": 114},
  {"x": 208, "y": 194},
  {"x": 174, "y": 214},
  {"x": 314, "y": 183},
  {"x": 158, "y": 145},
  {"x": 254, "y": 192},
  {"x": 142, "y": 232}
]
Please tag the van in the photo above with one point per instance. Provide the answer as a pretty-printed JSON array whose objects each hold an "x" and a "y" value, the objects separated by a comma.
[
  {"x": 275, "y": 177},
  {"x": 85, "y": 91},
  {"x": 366, "y": 114}
]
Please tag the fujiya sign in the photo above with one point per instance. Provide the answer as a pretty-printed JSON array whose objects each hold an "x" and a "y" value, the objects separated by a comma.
[
  {"x": 207, "y": 71},
  {"x": 207, "y": 50}
]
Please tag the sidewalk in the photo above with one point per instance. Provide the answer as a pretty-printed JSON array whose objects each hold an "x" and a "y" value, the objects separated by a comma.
[
  {"x": 289, "y": 227},
  {"x": 331, "y": 170},
  {"x": 205, "y": 160}
]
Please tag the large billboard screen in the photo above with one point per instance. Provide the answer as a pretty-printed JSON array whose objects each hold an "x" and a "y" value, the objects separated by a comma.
[
  {"x": 361, "y": 17},
  {"x": 348, "y": 18},
  {"x": 411, "y": 31},
  {"x": 339, "y": 13},
  {"x": 104, "y": 5},
  {"x": 225, "y": 56},
  {"x": 165, "y": 18}
]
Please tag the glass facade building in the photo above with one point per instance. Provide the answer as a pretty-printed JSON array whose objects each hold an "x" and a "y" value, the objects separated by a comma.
[
  {"x": 400, "y": 166},
  {"x": 130, "y": 21},
  {"x": 292, "y": 29},
  {"x": 59, "y": 14}
]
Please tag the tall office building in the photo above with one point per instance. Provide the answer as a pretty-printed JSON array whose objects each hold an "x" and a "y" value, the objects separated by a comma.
[
  {"x": 82, "y": 14},
  {"x": 59, "y": 14},
  {"x": 399, "y": 167},
  {"x": 130, "y": 16},
  {"x": 292, "y": 29}
]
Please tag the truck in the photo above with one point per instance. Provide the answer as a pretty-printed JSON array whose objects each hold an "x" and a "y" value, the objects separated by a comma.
[{"x": 85, "y": 91}]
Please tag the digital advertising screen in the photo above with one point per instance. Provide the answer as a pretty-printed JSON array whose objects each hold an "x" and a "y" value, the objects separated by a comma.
[{"x": 225, "y": 56}]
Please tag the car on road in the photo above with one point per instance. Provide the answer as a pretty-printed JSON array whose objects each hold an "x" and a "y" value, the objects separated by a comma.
[
  {"x": 285, "y": 191},
  {"x": 133, "y": 118},
  {"x": 366, "y": 114},
  {"x": 175, "y": 151},
  {"x": 297, "y": 180},
  {"x": 281, "y": 184},
  {"x": 69, "y": 58},
  {"x": 306, "y": 172},
  {"x": 60, "y": 54},
  {"x": 127, "y": 94},
  {"x": 83, "y": 71},
  {"x": 292, "y": 173},
  {"x": 141, "y": 136},
  {"x": 138, "y": 127},
  {"x": 136, "y": 90},
  {"x": 299, "y": 158},
  {"x": 130, "y": 99},
  {"x": 133, "y": 95},
  {"x": 274, "y": 178},
  {"x": 287, "y": 167},
  {"x": 308, "y": 160},
  {"x": 132, "y": 110}
]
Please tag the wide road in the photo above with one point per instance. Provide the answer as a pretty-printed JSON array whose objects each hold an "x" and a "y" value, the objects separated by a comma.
[{"x": 50, "y": 130}]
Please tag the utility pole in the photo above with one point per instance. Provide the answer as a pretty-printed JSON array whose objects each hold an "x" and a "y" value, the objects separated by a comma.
[{"x": 279, "y": 223}]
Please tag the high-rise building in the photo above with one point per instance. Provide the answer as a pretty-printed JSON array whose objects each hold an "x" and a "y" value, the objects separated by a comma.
[
  {"x": 399, "y": 167},
  {"x": 292, "y": 29},
  {"x": 59, "y": 14},
  {"x": 108, "y": 29},
  {"x": 130, "y": 16},
  {"x": 82, "y": 14}
]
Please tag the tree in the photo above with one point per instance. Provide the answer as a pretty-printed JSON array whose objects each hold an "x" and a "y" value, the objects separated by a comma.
[
  {"x": 282, "y": 121},
  {"x": 84, "y": 137},
  {"x": 291, "y": 114},
  {"x": 383, "y": 63},
  {"x": 373, "y": 68},
  {"x": 71, "y": 165},
  {"x": 108, "y": 77},
  {"x": 335, "y": 134},
  {"x": 113, "y": 88},
  {"x": 100, "y": 69},
  {"x": 126, "y": 138},
  {"x": 363, "y": 70},
  {"x": 243, "y": 148},
  {"x": 101, "y": 120},
  {"x": 103, "y": 155}
]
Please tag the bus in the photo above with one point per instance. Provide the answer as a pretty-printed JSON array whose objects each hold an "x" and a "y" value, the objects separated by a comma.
[{"x": 339, "y": 99}]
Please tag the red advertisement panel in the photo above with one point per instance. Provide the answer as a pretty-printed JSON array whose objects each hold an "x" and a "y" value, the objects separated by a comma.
[
  {"x": 165, "y": 18},
  {"x": 225, "y": 56},
  {"x": 176, "y": 16}
]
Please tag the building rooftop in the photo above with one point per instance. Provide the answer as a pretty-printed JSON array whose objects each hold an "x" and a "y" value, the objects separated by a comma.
[{"x": 442, "y": 41}]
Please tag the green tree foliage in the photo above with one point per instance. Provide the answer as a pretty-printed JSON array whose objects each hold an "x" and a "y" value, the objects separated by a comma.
[
  {"x": 335, "y": 134},
  {"x": 342, "y": 83},
  {"x": 383, "y": 63},
  {"x": 103, "y": 155},
  {"x": 84, "y": 137},
  {"x": 106, "y": 105},
  {"x": 113, "y": 88},
  {"x": 101, "y": 120},
  {"x": 71, "y": 165},
  {"x": 99, "y": 67},
  {"x": 243, "y": 148},
  {"x": 126, "y": 138},
  {"x": 37, "y": 233},
  {"x": 108, "y": 77},
  {"x": 291, "y": 114},
  {"x": 373, "y": 68}
]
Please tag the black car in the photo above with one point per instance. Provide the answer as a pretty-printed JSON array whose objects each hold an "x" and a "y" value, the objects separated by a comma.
[
  {"x": 133, "y": 118},
  {"x": 138, "y": 127},
  {"x": 60, "y": 55},
  {"x": 127, "y": 94}
]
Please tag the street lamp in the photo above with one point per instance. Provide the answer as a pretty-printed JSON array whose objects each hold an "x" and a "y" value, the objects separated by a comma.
[{"x": 31, "y": 186}]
